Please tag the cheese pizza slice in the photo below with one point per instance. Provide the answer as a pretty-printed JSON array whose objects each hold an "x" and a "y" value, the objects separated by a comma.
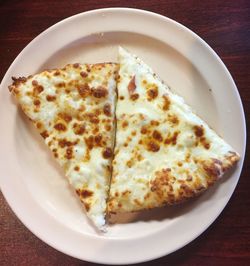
[
  {"x": 73, "y": 110},
  {"x": 164, "y": 152}
]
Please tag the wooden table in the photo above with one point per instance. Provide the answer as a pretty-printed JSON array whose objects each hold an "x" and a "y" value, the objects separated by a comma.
[{"x": 226, "y": 27}]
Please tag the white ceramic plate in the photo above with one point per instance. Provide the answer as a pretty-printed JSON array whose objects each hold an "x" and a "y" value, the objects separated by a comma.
[{"x": 35, "y": 187}]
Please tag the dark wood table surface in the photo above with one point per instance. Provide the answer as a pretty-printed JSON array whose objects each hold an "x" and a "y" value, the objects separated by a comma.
[{"x": 225, "y": 25}]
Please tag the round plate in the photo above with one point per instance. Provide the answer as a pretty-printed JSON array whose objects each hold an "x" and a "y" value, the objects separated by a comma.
[{"x": 34, "y": 185}]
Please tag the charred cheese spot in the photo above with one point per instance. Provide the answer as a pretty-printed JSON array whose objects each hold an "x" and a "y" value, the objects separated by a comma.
[
  {"x": 60, "y": 127},
  {"x": 93, "y": 118},
  {"x": 100, "y": 92},
  {"x": 166, "y": 103},
  {"x": 107, "y": 153}
]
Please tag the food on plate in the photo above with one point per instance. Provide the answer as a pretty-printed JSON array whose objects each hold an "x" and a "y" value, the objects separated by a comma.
[
  {"x": 73, "y": 110},
  {"x": 164, "y": 153}
]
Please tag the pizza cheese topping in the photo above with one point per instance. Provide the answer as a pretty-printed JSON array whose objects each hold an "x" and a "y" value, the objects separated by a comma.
[
  {"x": 163, "y": 153},
  {"x": 173, "y": 156},
  {"x": 70, "y": 107}
]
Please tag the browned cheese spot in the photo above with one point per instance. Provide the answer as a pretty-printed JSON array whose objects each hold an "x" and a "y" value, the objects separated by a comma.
[
  {"x": 79, "y": 129},
  {"x": 133, "y": 133},
  {"x": 108, "y": 127},
  {"x": 60, "y": 127},
  {"x": 76, "y": 65},
  {"x": 84, "y": 74},
  {"x": 100, "y": 92},
  {"x": 17, "y": 81},
  {"x": 134, "y": 96},
  {"x": 50, "y": 98},
  {"x": 93, "y": 118},
  {"x": 153, "y": 146},
  {"x": 131, "y": 86},
  {"x": 66, "y": 117},
  {"x": 44, "y": 134},
  {"x": 60, "y": 84},
  {"x": 89, "y": 142},
  {"x": 144, "y": 130},
  {"x": 124, "y": 124},
  {"x": 152, "y": 93},
  {"x": 172, "y": 139},
  {"x": 84, "y": 90},
  {"x": 198, "y": 131},
  {"x": 57, "y": 73},
  {"x": 36, "y": 102},
  {"x": 98, "y": 139},
  {"x": 107, "y": 153},
  {"x": 107, "y": 109},
  {"x": 76, "y": 168},
  {"x": 34, "y": 82},
  {"x": 84, "y": 193},
  {"x": 154, "y": 123},
  {"x": 66, "y": 143},
  {"x": 173, "y": 119},
  {"x": 37, "y": 90},
  {"x": 87, "y": 206},
  {"x": 39, "y": 125},
  {"x": 69, "y": 153},
  {"x": 157, "y": 135},
  {"x": 121, "y": 98},
  {"x": 162, "y": 179},
  {"x": 166, "y": 103}
]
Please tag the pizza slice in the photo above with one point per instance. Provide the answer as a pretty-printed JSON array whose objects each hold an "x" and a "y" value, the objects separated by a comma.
[
  {"x": 164, "y": 152},
  {"x": 73, "y": 110}
]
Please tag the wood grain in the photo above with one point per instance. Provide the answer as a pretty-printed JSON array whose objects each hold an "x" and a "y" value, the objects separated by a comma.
[{"x": 225, "y": 25}]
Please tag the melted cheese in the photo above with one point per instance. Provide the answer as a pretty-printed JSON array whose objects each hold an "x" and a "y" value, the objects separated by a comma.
[
  {"x": 164, "y": 152},
  {"x": 73, "y": 109}
]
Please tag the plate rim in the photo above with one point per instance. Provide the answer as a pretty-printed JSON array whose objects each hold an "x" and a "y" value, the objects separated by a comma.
[{"x": 194, "y": 35}]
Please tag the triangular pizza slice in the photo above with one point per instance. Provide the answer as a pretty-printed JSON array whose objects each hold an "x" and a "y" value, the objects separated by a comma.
[
  {"x": 73, "y": 110},
  {"x": 164, "y": 152}
]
